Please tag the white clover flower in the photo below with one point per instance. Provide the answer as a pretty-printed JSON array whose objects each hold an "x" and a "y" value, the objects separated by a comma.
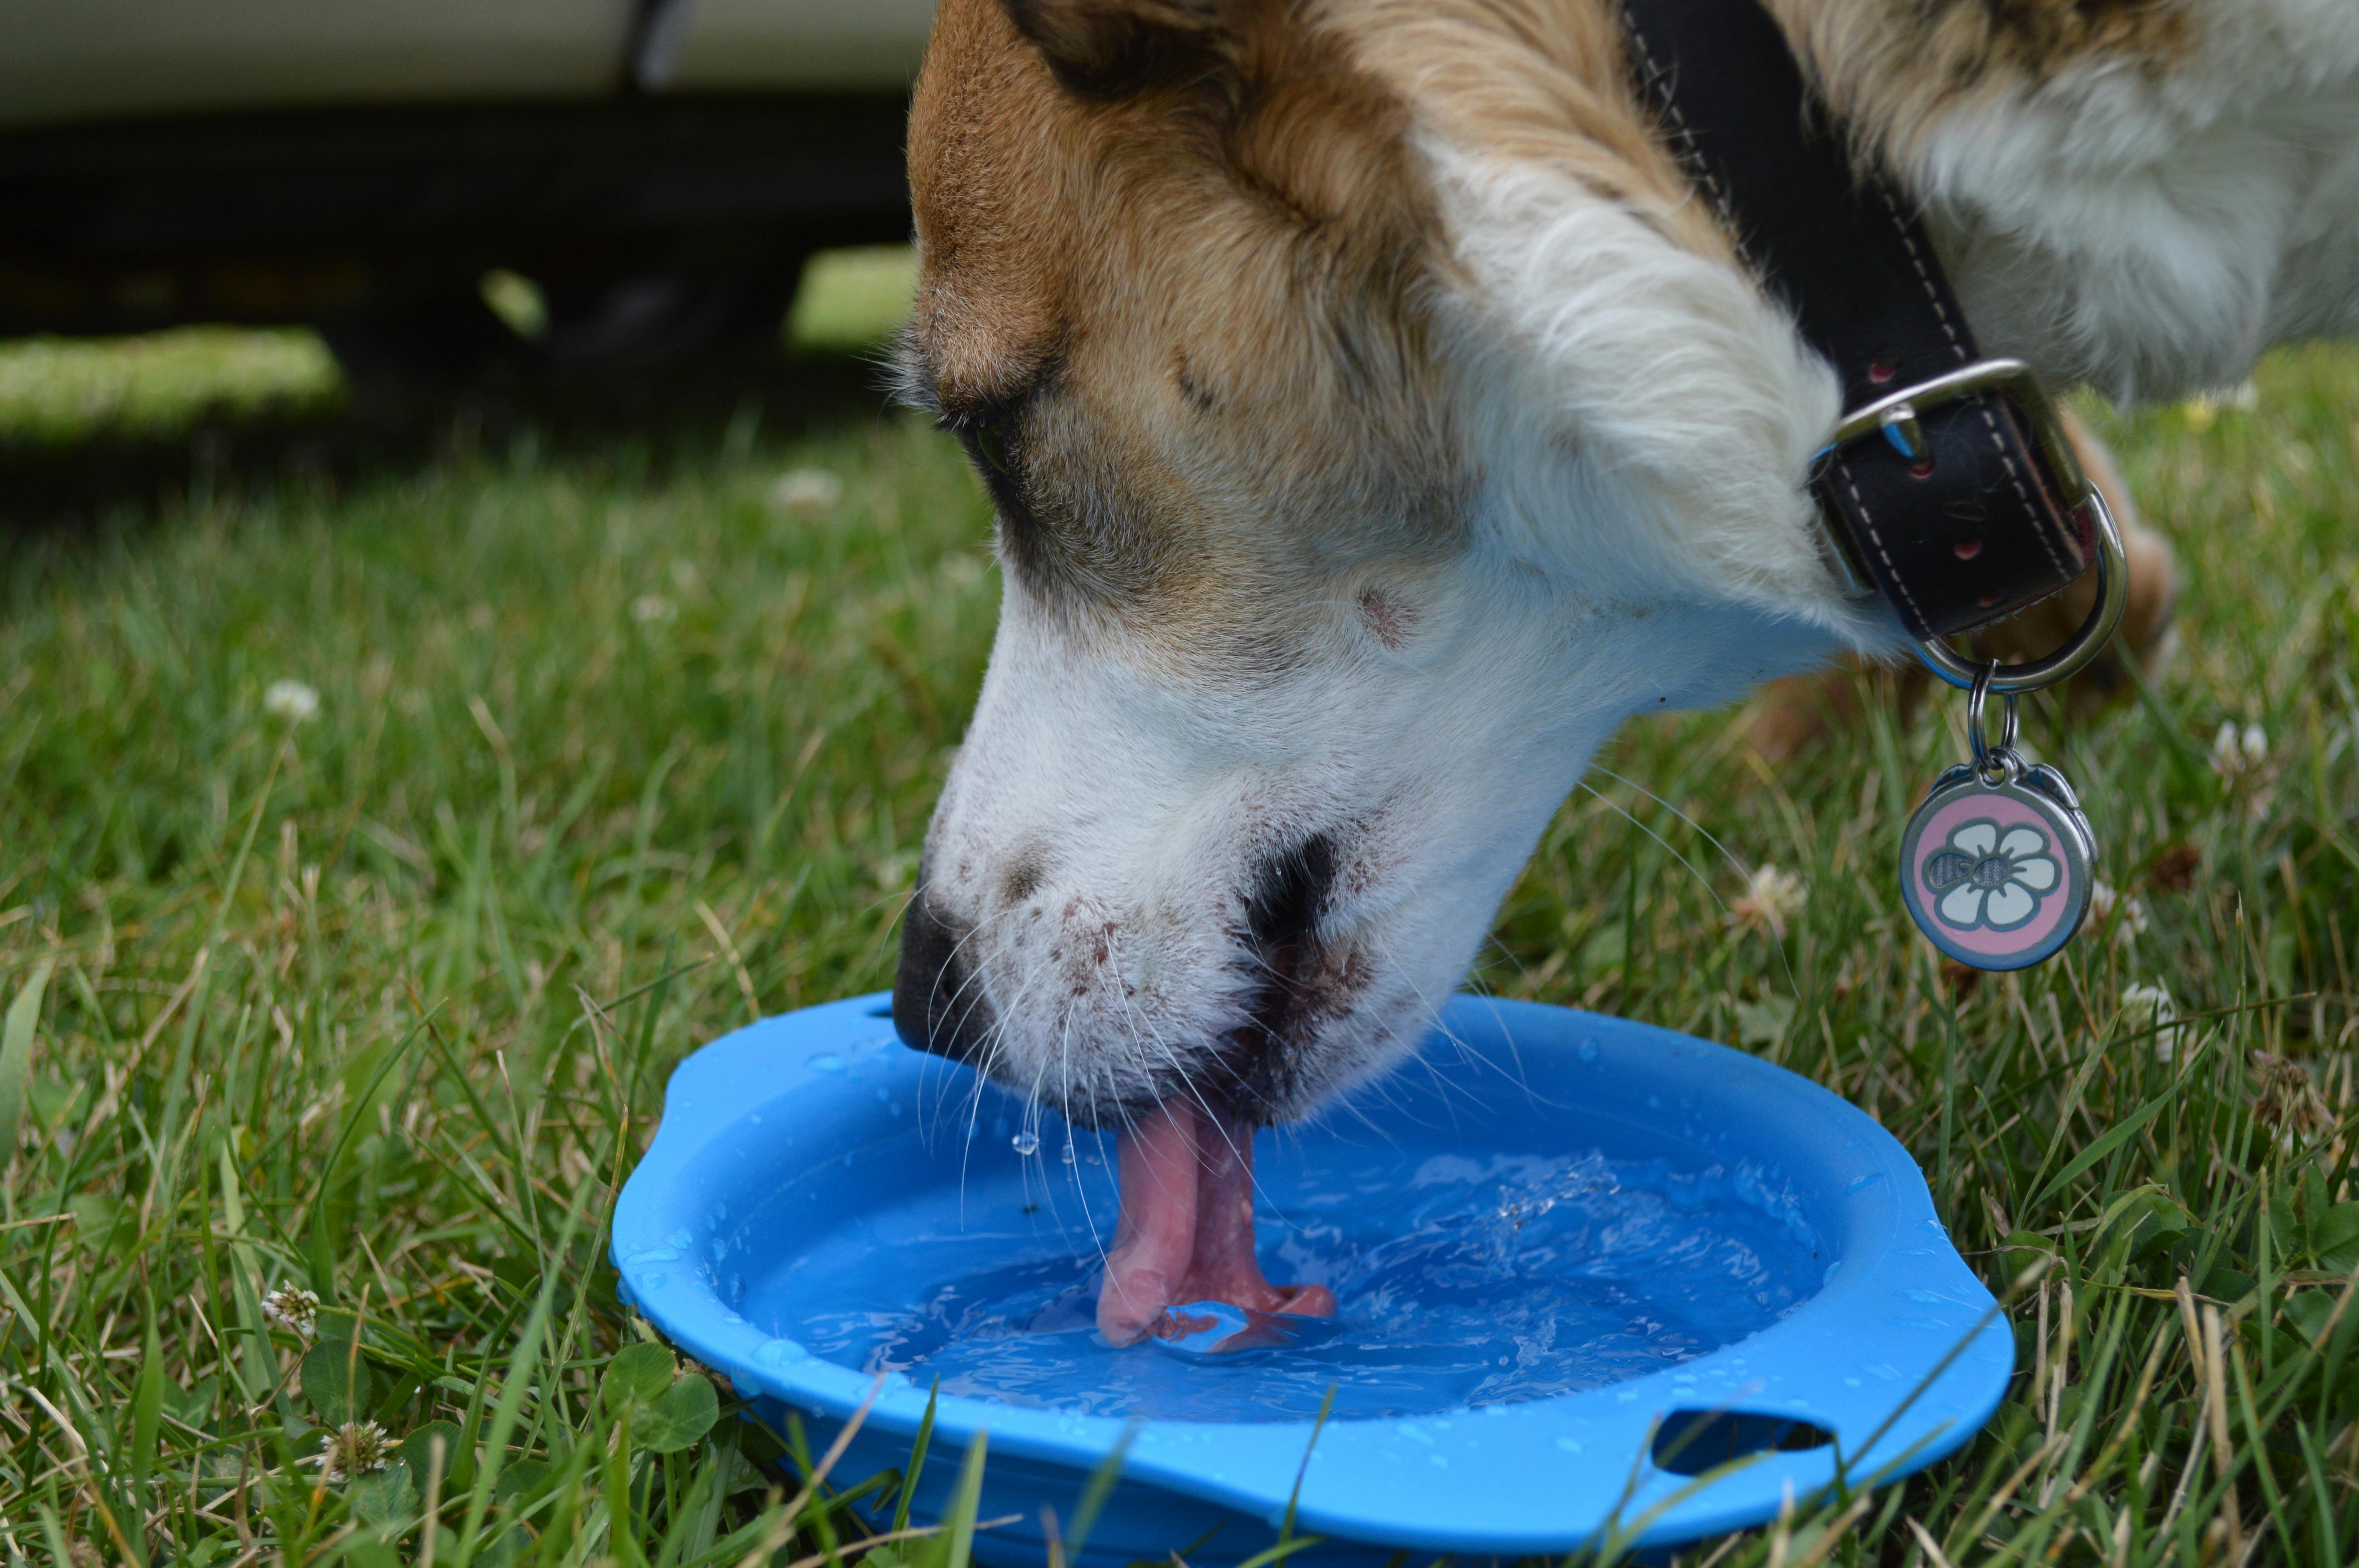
[
  {"x": 2105, "y": 900},
  {"x": 1771, "y": 898},
  {"x": 2226, "y": 760},
  {"x": 293, "y": 1308},
  {"x": 1993, "y": 880},
  {"x": 805, "y": 492},
  {"x": 650, "y": 608},
  {"x": 290, "y": 701},
  {"x": 2235, "y": 752},
  {"x": 2150, "y": 1007},
  {"x": 2203, "y": 410},
  {"x": 353, "y": 1449}
]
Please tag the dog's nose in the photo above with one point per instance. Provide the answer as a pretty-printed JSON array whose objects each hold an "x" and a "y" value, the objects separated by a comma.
[{"x": 938, "y": 1003}]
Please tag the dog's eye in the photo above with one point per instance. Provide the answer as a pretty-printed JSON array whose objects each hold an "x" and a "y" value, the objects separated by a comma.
[
  {"x": 990, "y": 439},
  {"x": 993, "y": 443}
]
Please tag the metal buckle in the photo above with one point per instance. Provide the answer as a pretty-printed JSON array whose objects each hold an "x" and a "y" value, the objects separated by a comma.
[{"x": 1896, "y": 419}]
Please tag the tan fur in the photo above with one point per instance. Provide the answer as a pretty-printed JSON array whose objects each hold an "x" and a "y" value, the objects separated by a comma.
[
  {"x": 1206, "y": 291},
  {"x": 1537, "y": 82},
  {"x": 1889, "y": 68},
  {"x": 1011, "y": 172}
]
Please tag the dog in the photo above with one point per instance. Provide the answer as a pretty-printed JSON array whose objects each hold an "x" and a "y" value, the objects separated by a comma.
[{"x": 1376, "y": 418}]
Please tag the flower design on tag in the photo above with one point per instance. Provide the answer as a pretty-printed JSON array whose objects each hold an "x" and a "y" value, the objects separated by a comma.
[{"x": 1986, "y": 879}]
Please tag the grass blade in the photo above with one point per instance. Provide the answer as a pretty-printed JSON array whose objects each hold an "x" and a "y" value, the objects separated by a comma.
[
  {"x": 917, "y": 1459},
  {"x": 966, "y": 1503},
  {"x": 17, "y": 1052}
]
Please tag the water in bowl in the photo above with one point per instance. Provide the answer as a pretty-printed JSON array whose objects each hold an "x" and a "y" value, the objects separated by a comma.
[{"x": 1461, "y": 1280}]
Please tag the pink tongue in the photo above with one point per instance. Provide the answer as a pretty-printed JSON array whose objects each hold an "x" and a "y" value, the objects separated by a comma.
[{"x": 1186, "y": 1232}]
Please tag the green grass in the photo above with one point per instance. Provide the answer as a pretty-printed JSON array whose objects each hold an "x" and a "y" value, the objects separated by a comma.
[{"x": 620, "y": 741}]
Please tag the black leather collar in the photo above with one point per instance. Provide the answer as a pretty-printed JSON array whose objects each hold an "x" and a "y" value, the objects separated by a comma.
[{"x": 1951, "y": 489}]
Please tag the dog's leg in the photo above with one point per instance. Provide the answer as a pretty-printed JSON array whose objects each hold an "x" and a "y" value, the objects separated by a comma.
[
  {"x": 1789, "y": 716},
  {"x": 2144, "y": 637}
]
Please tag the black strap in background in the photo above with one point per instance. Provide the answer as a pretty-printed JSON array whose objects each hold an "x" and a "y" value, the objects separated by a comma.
[{"x": 1975, "y": 533}]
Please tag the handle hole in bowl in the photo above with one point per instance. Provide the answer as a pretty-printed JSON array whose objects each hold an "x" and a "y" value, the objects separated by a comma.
[
  {"x": 1690, "y": 1443},
  {"x": 882, "y": 1010}
]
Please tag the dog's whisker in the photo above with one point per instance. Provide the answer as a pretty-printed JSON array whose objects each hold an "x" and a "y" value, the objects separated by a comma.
[
  {"x": 1728, "y": 854},
  {"x": 1431, "y": 1015},
  {"x": 1786, "y": 963}
]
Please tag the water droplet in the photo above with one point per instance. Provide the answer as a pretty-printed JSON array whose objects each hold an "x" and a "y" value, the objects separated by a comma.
[
  {"x": 1027, "y": 1142},
  {"x": 780, "y": 1353},
  {"x": 825, "y": 1062},
  {"x": 1588, "y": 1052},
  {"x": 1068, "y": 1156}
]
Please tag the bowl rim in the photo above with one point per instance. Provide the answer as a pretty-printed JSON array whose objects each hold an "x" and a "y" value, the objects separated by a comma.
[{"x": 1902, "y": 1343}]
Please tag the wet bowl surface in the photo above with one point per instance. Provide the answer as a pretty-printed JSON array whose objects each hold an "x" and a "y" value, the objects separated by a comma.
[{"x": 1580, "y": 1263}]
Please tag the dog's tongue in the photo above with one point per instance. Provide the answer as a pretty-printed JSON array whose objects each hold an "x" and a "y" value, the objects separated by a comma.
[{"x": 1186, "y": 1233}]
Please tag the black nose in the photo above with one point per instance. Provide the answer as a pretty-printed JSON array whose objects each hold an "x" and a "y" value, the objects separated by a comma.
[{"x": 937, "y": 1004}]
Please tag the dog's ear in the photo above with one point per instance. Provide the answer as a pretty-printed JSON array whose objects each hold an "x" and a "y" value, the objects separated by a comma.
[{"x": 1110, "y": 48}]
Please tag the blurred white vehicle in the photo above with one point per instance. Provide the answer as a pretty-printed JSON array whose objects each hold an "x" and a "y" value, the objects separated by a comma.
[{"x": 659, "y": 168}]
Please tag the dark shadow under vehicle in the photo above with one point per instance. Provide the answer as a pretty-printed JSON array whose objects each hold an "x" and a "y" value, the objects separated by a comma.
[{"x": 656, "y": 228}]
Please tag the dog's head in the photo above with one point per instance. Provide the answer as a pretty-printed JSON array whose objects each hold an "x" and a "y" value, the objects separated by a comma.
[{"x": 1374, "y": 422}]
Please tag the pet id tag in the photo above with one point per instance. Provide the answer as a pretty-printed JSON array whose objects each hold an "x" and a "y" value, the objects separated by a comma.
[{"x": 1996, "y": 865}]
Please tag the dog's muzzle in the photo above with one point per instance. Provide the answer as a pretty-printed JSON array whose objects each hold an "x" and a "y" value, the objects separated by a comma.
[{"x": 937, "y": 1001}]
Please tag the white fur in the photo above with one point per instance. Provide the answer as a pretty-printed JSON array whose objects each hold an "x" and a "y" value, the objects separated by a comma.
[
  {"x": 1642, "y": 419},
  {"x": 2154, "y": 234}
]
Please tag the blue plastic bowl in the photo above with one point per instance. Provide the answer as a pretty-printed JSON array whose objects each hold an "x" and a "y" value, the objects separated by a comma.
[{"x": 800, "y": 1126}]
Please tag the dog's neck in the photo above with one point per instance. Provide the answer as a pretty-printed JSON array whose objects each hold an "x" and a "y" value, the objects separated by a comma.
[{"x": 2144, "y": 197}]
